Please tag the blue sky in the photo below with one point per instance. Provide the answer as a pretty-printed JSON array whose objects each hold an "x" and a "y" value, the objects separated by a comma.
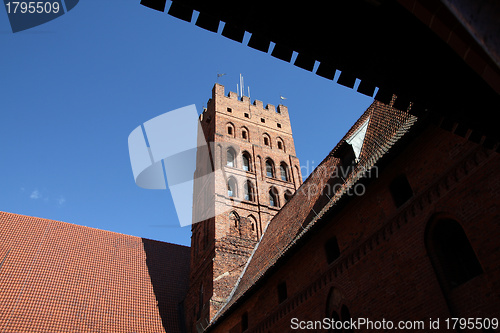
[{"x": 73, "y": 89}]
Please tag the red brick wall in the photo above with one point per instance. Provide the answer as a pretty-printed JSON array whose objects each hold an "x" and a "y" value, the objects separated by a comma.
[
  {"x": 384, "y": 271},
  {"x": 230, "y": 243}
]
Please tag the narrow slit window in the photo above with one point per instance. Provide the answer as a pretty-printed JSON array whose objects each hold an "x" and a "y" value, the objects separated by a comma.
[
  {"x": 282, "y": 292},
  {"x": 332, "y": 250}
]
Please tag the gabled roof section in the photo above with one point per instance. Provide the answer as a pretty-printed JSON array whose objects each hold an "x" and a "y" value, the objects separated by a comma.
[
  {"x": 384, "y": 126},
  {"x": 61, "y": 277}
]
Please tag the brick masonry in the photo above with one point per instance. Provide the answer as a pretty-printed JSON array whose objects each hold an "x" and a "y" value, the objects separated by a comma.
[
  {"x": 384, "y": 270},
  {"x": 222, "y": 245}
]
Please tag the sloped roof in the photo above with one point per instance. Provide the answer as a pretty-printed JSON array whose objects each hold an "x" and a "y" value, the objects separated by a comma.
[
  {"x": 386, "y": 126},
  {"x": 61, "y": 277}
]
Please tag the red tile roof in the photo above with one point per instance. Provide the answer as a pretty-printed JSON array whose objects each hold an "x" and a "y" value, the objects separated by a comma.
[
  {"x": 61, "y": 277},
  {"x": 386, "y": 126}
]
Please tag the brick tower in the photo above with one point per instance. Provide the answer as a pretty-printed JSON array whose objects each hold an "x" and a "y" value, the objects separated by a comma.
[{"x": 253, "y": 149}]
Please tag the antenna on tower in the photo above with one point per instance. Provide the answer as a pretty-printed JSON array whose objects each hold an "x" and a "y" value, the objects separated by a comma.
[{"x": 242, "y": 90}]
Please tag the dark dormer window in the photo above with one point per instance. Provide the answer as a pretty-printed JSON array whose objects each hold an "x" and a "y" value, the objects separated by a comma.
[{"x": 347, "y": 158}]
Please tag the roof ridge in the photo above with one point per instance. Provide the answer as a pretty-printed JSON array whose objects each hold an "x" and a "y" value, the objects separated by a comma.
[{"x": 82, "y": 226}]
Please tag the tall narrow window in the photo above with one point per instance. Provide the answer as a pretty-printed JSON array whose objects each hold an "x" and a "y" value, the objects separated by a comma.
[
  {"x": 245, "y": 133},
  {"x": 400, "y": 190},
  {"x": 200, "y": 305},
  {"x": 335, "y": 317},
  {"x": 281, "y": 145},
  {"x": 453, "y": 257},
  {"x": 273, "y": 197},
  {"x": 230, "y": 157},
  {"x": 246, "y": 162},
  {"x": 269, "y": 168},
  {"x": 230, "y": 130},
  {"x": 284, "y": 171},
  {"x": 244, "y": 322},
  {"x": 346, "y": 318},
  {"x": 248, "y": 191},
  {"x": 288, "y": 195},
  {"x": 282, "y": 292},
  {"x": 267, "y": 140},
  {"x": 231, "y": 188},
  {"x": 332, "y": 250},
  {"x": 235, "y": 218}
]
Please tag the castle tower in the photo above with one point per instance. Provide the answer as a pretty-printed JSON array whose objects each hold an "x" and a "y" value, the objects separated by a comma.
[{"x": 253, "y": 147}]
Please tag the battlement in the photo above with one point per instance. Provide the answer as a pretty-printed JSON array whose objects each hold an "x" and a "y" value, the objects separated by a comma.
[{"x": 219, "y": 91}]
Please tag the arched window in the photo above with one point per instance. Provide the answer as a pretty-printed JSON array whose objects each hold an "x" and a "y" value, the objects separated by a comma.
[
  {"x": 267, "y": 140},
  {"x": 284, "y": 171},
  {"x": 280, "y": 144},
  {"x": 231, "y": 188},
  {"x": 273, "y": 197},
  {"x": 235, "y": 218},
  {"x": 248, "y": 191},
  {"x": 253, "y": 225},
  {"x": 244, "y": 134},
  {"x": 231, "y": 158},
  {"x": 346, "y": 318},
  {"x": 230, "y": 129},
  {"x": 451, "y": 253},
  {"x": 269, "y": 168},
  {"x": 288, "y": 195},
  {"x": 246, "y": 162}
]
